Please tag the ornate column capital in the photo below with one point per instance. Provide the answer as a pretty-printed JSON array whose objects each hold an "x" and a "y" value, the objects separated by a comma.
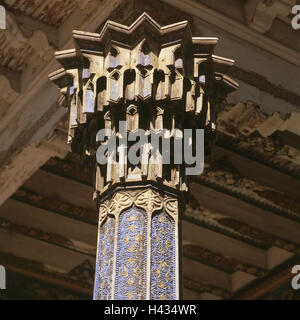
[{"x": 155, "y": 78}]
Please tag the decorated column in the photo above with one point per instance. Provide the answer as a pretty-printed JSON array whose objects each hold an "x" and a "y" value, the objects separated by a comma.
[{"x": 149, "y": 82}]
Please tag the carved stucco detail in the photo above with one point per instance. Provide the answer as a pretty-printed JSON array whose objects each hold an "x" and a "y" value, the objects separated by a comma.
[
  {"x": 120, "y": 202},
  {"x": 149, "y": 200},
  {"x": 103, "y": 212},
  {"x": 171, "y": 206},
  {"x": 115, "y": 206},
  {"x": 246, "y": 128}
]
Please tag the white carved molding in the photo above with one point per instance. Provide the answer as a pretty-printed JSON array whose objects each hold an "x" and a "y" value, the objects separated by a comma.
[{"x": 260, "y": 14}]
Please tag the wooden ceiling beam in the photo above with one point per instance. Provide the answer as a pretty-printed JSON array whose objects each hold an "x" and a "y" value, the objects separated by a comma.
[
  {"x": 50, "y": 256},
  {"x": 50, "y": 185},
  {"x": 233, "y": 248},
  {"x": 43, "y": 224},
  {"x": 263, "y": 219},
  {"x": 205, "y": 273},
  {"x": 259, "y": 172}
]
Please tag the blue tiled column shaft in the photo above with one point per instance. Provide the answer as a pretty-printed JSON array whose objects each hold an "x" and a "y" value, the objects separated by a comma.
[{"x": 138, "y": 251}]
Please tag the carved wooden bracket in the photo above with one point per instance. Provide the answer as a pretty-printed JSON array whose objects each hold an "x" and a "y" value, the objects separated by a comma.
[
  {"x": 38, "y": 41},
  {"x": 260, "y": 14}
]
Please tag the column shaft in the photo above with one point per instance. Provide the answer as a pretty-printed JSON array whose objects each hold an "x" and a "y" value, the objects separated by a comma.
[{"x": 138, "y": 247}]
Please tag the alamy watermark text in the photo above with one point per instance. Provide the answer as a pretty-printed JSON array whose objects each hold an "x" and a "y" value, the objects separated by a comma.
[{"x": 140, "y": 145}]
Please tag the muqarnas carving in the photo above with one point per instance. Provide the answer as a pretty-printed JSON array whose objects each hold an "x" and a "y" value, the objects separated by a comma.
[{"x": 150, "y": 76}]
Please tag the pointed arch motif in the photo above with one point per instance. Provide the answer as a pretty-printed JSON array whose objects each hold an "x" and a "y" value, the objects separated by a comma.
[
  {"x": 89, "y": 98},
  {"x": 101, "y": 86},
  {"x": 132, "y": 117},
  {"x": 115, "y": 86},
  {"x": 113, "y": 59}
]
